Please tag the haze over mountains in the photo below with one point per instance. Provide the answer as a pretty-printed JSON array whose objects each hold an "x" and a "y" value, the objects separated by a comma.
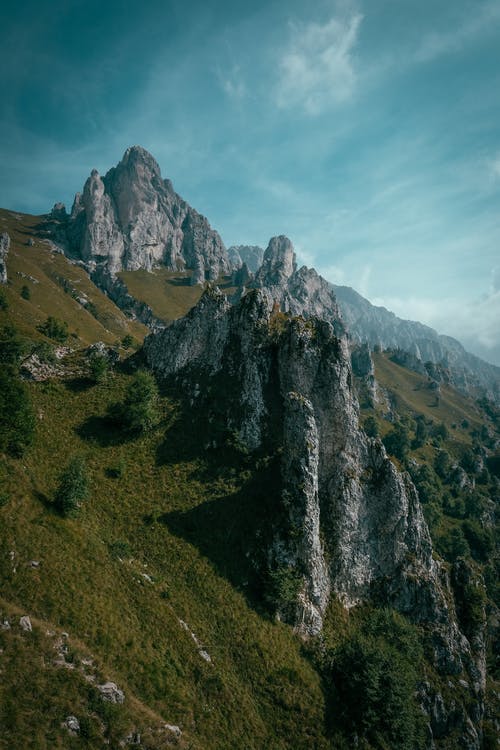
[{"x": 132, "y": 219}]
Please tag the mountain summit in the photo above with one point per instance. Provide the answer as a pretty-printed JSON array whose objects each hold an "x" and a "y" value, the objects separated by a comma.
[{"x": 133, "y": 219}]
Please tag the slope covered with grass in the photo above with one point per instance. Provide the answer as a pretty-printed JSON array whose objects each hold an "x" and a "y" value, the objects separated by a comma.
[{"x": 43, "y": 283}]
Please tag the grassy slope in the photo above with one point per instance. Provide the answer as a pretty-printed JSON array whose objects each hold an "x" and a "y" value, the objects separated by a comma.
[
  {"x": 47, "y": 297},
  {"x": 168, "y": 293},
  {"x": 259, "y": 690},
  {"x": 411, "y": 396}
]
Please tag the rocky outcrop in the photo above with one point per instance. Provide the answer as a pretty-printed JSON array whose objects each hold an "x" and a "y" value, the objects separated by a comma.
[
  {"x": 4, "y": 251},
  {"x": 350, "y": 522},
  {"x": 251, "y": 255},
  {"x": 133, "y": 219},
  {"x": 297, "y": 291}
]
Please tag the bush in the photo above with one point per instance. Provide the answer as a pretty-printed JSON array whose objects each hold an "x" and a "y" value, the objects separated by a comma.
[
  {"x": 54, "y": 329},
  {"x": 373, "y": 676},
  {"x": 73, "y": 488},
  {"x": 98, "y": 368},
  {"x": 127, "y": 341},
  {"x": 4, "y": 305},
  {"x": 139, "y": 411},
  {"x": 12, "y": 347},
  {"x": 25, "y": 292},
  {"x": 397, "y": 441},
  {"x": 17, "y": 418}
]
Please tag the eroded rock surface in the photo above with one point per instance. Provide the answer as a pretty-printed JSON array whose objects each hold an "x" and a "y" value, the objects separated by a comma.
[{"x": 4, "y": 251}]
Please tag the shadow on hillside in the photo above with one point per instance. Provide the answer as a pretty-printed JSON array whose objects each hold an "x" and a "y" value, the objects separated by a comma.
[
  {"x": 180, "y": 281},
  {"x": 234, "y": 532},
  {"x": 103, "y": 431},
  {"x": 79, "y": 385}
]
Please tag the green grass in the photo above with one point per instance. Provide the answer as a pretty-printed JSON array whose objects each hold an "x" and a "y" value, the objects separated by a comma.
[
  {"x": 411, "y": 396},
  {"x": 168, "y": 293},
  {"x": 59, "y": 282},
  {"x": 183, "y": 522}
]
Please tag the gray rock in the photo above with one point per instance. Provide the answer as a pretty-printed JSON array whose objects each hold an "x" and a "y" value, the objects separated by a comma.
[
  {"x": 4, "y": 251},
  {"x": 72, "y": 724},
  {"x": 355, "y": 527},
  {"x": 25, "y": 624},
  {"x": 250, "y": 255},
  {"x": 30, "y": 242},
  {"x": 132, "y": 219},
  {"x": 111, "y": 693},
  {"x": 59, "y": 212}
]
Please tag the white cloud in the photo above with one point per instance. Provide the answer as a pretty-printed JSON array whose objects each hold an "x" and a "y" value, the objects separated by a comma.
[
  {"x": 437, "y": 43},
  {"x": 317, "y": 68}
]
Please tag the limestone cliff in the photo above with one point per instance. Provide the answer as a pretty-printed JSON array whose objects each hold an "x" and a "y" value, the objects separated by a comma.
[
  {"x": 131, "y": 219},
  {"x": 353, "y": 524}
]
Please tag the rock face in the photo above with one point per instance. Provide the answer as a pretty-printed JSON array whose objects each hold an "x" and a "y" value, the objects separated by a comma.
[
  {"x": 4, "y": 251},
  {"x": 251, "y": 255},
  {"x": 297, "y": 291},
  {"x": 133, "y": 219},
  {"x": 350, "y": 522}
]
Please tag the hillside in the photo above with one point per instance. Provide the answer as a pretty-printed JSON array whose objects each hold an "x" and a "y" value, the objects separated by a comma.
[
  {"x": 170, "y": 582},
  {"x": 55, "y": 287}
]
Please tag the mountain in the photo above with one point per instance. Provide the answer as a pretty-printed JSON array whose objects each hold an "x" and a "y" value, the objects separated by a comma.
[
  {"x": 247, "y": 532},
  {"x": 250, "y": 255},
  {"x": 380, "y": 328},
  {"x": 131, "y": 218}
]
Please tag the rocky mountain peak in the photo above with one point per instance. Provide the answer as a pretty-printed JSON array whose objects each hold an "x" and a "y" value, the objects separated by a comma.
[
  {"x": 132, "y": 219},
  {"x": 279, "y": 262}
]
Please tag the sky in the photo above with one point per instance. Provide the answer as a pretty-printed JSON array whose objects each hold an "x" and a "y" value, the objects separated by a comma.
[{"x": 367, "y": 132}]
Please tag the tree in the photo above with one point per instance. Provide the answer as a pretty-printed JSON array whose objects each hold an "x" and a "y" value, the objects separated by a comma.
[
  {"x": 397, "y": 441},
  {"x": 17, "y": 418},
  {"x": 4, "y": 305},
  {"x": 98, "y": 367},
  {"x": 374, "y": 674},
  {"x": 139, "y": 411},
  {"x": 25, "y": 292},
  {"x": 442, "y": 464},
  {"x": 421, "y": 432},
  {"x": 54, "y": 329},
  {"x": 73, "y": 488}
]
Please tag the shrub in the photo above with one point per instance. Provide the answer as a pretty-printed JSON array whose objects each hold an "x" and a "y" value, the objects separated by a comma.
[
  {"x": 397, "y": 441},
  {"x": 73, "y": 488},
  {"x": 127, "y": 341},
  {"x": 54, "y": 329},
  {"x": 442, "y": 464},
  {"x": 17, "y": 418},
  {"x": 25, "y": 292},
  {"x": 98, "y": 368},
  {"x": 373, "y": 676},
  {"x": 4, "y": 305},
  {"x": 139, "y": 411}
]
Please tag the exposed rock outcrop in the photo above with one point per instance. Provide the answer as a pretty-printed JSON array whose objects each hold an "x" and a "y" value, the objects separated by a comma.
[
  {"x": 353, "y": 523},
  {"x": 4, "y": 251},
  {"x": 251, "y": 255},
  {"x": 133, "y": 219},
  {"x": 297, "y": 291}
]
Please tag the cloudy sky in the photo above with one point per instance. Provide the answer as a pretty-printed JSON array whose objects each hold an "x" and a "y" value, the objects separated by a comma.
[{"x": 368, "y": 132}]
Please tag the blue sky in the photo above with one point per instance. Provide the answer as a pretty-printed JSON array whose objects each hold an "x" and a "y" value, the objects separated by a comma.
[{"x": 368, "y": 132}]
